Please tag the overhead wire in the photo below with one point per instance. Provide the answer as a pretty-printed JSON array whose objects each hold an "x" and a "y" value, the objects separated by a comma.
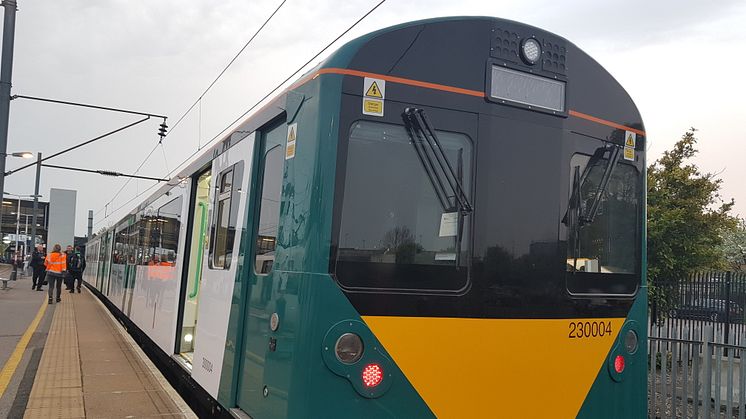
[
  {"x": 271, "y": 92},
  {"x": 199, "y": 99}
]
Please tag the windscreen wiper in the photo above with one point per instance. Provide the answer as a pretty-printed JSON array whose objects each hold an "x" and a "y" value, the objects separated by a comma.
[
  {"x": 590, "y": 214},
  {"x": 446, "y": 183},
  {"x": 444, "y": 179},
  {"x": 587, "y": 216},
  {"x": 575, "y": 217}
]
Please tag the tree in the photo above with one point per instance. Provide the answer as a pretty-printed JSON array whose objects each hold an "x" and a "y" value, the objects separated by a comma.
[
  {"x": 734, "y": 246},
  {"x": 400, "y": 241},
  {"x": 686, "y": 220}
]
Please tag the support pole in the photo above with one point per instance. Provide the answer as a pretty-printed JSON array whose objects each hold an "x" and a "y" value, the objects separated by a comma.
[
  {"x": 90, "y": 224},
  {"x": 18, "y": 229},
  {"x": 34, "y": 218},
  {"x": 6, "y": 72}
]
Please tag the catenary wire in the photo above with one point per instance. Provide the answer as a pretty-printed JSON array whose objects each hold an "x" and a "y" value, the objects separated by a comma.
[
  {"x": 260, "y": 101},
  {"x": 181, "y": 118},
  {"x": 271, "y": 92}
]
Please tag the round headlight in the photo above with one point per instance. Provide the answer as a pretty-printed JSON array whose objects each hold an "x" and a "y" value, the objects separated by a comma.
[
  {"x": 530, "y": 51},
  {"x": 630, "y": 341},
  {"x": 349, "y": 348}
]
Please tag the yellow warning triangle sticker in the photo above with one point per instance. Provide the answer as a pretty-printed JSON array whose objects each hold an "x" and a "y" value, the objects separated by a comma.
[
  {"x": 374, "y": 91},
  {"x": 291, "y": 136},
  {"x": 630, "y": 141}
]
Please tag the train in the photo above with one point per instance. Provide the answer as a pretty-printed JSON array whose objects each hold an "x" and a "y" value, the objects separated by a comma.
[{"x": 444, "y": 218}]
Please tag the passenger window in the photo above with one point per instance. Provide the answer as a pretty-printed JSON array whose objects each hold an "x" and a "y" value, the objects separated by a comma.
[
  {"x": 269, "y": 212},
  {"x": 226, "y": 215},
  {"x": 158, "y": 235},
  {"x": 169, "y": 226}
]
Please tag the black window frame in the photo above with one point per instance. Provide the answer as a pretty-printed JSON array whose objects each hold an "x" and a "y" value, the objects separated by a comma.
[{"x": 577, "y": 282}]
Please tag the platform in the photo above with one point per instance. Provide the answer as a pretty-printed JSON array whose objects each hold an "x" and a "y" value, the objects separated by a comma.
[{"x": 91, "y": 368}]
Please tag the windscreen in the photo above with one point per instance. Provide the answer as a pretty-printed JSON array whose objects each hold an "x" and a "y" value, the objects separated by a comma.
[
  {"x": 395, "y": 233},
  {"x": 604, "y": 241}
]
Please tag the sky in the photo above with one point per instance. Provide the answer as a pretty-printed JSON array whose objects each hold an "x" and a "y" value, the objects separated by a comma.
[{"x": 681, "y": 62}]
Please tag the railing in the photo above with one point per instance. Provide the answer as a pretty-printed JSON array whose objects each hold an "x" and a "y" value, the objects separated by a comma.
[{"x": 695, "y": 378}]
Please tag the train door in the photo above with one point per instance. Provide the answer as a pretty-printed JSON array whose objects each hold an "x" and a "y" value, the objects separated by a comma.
[
  {"x": 106, "y": 265},
  {"x": 228, "y": 186},
  {"x": 130, "y": 269},
  {"x": 266, "y": 201},
  {"x": 191, "y": 281}
]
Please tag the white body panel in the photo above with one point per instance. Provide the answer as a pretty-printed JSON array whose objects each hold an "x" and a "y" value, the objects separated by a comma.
[
  {"x": 116, "y": 289},
  {"x": 155, "y": 298},
  {"x": 216, "y": 290}
]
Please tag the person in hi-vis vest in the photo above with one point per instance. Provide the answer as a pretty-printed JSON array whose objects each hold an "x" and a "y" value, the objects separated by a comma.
[{"x": 56, "y": 263}]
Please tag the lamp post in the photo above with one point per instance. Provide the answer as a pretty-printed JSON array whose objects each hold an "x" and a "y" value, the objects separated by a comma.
[{"x": 36, "y": 201}]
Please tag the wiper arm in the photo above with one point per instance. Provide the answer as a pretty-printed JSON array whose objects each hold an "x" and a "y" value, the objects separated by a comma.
[
  {"x": 435, "y": 162},
  {"x": 427, "y": 163},
  {"x": 590, "y": 214},
  {"x": 439, "y": 170}
]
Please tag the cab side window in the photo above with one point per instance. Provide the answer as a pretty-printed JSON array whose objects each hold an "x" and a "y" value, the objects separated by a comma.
[{"x": 269, "y": 212}]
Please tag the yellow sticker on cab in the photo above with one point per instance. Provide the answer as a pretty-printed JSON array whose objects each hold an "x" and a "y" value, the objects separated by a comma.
[{"x": 374, "y": 95}]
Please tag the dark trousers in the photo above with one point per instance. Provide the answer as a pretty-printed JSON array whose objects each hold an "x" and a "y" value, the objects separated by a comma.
[
  {"x": 55, "y": 281},
  {"x": 38, "y": 277},
  {"x": 76, "y": 276}
]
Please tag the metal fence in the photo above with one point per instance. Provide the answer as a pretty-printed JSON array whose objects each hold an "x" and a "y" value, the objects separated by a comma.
[
  {"x": 695, "y": 379},
  {"x": 696, "y": 348},
  {"x": 710, "y": 298}
]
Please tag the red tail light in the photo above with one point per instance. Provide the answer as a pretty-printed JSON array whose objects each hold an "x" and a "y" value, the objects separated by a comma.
[
  {"x": 372, "y": 375},
  {"x": 619, "y": 364}
]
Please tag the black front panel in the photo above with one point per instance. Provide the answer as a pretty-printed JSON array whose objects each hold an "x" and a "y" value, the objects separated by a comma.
[{"x": 520, "y": 185}]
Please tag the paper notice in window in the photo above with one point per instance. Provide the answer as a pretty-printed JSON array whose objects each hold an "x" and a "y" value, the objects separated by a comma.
[
  {"x": 445, "y": 256},
  {"x": 448, "y": 224}
]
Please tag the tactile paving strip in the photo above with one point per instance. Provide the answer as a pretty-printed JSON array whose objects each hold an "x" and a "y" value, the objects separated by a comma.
[{"x": 88, "y": 370}]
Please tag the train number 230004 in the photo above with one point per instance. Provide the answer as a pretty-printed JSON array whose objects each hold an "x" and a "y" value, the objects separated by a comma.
[{"x": 590, "y": 329}]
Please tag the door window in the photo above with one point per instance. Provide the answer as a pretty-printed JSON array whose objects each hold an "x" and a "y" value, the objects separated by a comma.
[
  {"x": 269, "y": 213},
  {"x": 226, "y": 215}
]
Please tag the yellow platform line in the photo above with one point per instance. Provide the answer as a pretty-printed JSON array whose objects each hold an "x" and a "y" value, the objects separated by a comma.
[{"x": 15, "y": 358}]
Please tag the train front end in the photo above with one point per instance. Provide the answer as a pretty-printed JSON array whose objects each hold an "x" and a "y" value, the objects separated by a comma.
[{"x": 461, "y": 232}]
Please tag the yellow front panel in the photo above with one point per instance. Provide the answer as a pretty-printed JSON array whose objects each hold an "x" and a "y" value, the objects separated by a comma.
[{"x": 498, "y": 368}]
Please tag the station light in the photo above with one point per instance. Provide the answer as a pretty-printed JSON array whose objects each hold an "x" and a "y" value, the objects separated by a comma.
[
  {"x": 372, "y": 375},
  {"x": 530, "y": 51}
]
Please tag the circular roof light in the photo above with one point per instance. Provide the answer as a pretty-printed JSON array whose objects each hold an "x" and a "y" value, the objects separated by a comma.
[
  {"x": 349, "y": 348},
  {"x": 530, "y": 51},
  {"x": 630, "y": 341}
]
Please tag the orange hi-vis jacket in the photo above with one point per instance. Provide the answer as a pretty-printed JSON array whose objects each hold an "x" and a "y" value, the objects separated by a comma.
[{"x": 56, "y": 262}]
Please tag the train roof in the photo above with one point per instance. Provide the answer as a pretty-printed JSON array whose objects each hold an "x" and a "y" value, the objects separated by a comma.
[{"x": 464, "y": 45}]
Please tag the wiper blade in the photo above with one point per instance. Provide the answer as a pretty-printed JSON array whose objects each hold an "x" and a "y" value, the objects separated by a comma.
[
  {"x": 439, "y": 170},
  {"x": 611, "y": 163},
  {"x": 589, "y": 215}
]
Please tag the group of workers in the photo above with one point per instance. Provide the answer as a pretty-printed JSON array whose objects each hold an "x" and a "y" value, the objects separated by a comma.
[{"x": 55, "y": 268}]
